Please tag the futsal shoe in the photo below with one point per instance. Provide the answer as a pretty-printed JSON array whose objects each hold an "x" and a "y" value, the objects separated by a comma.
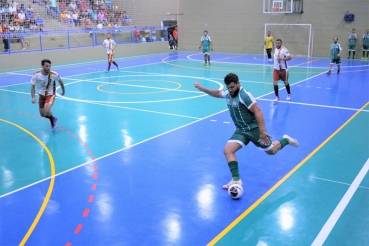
[
  {"x": 118, "y": 69},
  {"x": 106, "y": 71},
  {"x": 276, "y": 99},
  {"x": 226, "y": 186},
  {"x": 291, "y": 141},
  {"x": 288, "y": 97},
  {"x": 53, "y": 128},
  {"x": 329, "y": 72}
]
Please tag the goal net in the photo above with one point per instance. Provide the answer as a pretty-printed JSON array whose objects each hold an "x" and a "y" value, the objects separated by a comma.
[{"x": 297, "y": 38}]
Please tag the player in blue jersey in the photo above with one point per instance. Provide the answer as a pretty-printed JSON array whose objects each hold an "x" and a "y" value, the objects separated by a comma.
[{"x": 249, "y": 121}]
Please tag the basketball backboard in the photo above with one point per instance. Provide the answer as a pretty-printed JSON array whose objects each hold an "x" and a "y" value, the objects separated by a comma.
[{"x": 278, "y": 6}]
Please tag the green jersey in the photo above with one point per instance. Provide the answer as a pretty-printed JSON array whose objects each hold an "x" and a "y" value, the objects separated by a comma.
[
  {"x": 238, "y": 106},
  {"x": 335, "y": 50},
  {"x": 366, "y": 39},
  {"x": 352, "y": 38},
  {"x": 205, "y": 40}
]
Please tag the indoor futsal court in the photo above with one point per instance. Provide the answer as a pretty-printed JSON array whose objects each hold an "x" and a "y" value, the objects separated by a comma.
[{"x": 137, "y": 157}]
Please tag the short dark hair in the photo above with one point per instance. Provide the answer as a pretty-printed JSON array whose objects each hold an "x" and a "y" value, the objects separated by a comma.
[
  {"x": 205, "y": 31},
  {"x": 279, "y": 40},
  {"x": 231, "y": 77},
  {"x": 44, "y": 61}
]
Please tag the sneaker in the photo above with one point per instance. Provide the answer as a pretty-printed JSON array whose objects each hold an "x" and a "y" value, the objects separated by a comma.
[
  {"x": 28, "y": 43},
  {"x": 226, "y": 186},
  {"x": 329, "y": 72},
  {"x": 209, "y": 63},
  {"x": 363, "y": 58},
  {"x": 291, "y": 141},
  {"x": 276, "y": 99},
  {"x": 348, "y": 57},
  {"x": 106, "y": 71},
  {"x": 205, "y": 64},
  {"x": 53, "y": 128},
  {"x": 23, "y": 48},
  {"x": 288, "y": 97},
  {"x": 118, "y": 68}
]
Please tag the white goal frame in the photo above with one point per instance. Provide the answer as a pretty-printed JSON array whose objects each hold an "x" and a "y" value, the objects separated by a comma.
[{"x": 298, "y": 38}]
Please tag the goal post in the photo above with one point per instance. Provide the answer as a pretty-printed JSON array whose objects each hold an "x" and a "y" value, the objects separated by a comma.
[{"x": 297, "y": 38}]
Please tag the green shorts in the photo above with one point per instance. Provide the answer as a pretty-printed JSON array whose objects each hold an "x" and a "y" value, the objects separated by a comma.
[
  {"x": 206, "y": 50},
  {"x": 351, "y": 47},
  {"x": 244, "y": 137},
  {"x": 336, "y": 60}
]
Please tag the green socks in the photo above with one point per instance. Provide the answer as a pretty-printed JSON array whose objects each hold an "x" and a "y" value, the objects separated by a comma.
[
  {"x": 284, "y": 142},
  {"x": 233, "y": 166}
]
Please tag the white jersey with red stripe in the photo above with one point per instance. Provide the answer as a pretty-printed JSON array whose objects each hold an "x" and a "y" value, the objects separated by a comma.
[
  {"x": 109, "y": 45},
  {"x": 281, "y": 52},
  {"x": 46, "y": 84}
]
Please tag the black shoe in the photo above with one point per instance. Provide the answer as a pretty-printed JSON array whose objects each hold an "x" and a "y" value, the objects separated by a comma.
[{"x": 329, "y": 72}]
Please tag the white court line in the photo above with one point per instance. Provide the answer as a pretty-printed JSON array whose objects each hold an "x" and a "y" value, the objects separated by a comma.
[
  {"x": 86, "y": 163},
  {"x": 20, "y": 74},
  {"x": 328, "y": 226},
  {"x": 314, "y": 105},
  {"x": 114, "y": 106},
  {"x": 333, "y": 181}
]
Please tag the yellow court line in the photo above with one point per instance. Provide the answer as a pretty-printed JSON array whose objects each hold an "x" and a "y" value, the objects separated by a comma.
[
  {"x": 263, "y": 197},
  {"x": 51, "y": 185}
]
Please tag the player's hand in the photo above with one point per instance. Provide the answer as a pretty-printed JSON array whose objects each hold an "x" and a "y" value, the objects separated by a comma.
[
  {"x": 33, "y": 100},
  {"x": 198, "y": 86},
  {"x": 338, "y": 55},
  {"x": 199, "y": 48},
  {"x": 264, "y": 138}
]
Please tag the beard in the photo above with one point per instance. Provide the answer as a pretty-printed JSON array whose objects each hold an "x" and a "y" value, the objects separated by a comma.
[{"x": 234, "y": 93}]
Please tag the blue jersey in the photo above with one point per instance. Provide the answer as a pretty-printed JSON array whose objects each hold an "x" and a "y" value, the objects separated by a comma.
[{"x": 205, "y": 40}]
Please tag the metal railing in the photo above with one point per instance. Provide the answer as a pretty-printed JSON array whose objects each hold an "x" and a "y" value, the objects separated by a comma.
[{"x": 68, "y": 39}]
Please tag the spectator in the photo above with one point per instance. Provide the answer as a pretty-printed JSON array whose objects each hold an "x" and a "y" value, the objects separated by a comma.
[
  {"x": 12, "y": 11},
  {"x": 5, "y": 32},
  {"x": 88, "y": 27},
  {"x": 136, "y": 34},
  {"x": 15, "y": 4},
  {"x": 147, "y": 35},
  {"x": 83, "y": 5},
  {"x": 6, "y": 10},
  {"x": 29, "y": 9},
  {"x": 69, "y": 18},
  {"x": 94, "y": 16},
  {"x": 72, "y": 5},
  {"x": 63, "y": 5},
  {"x": 52, "y": 5},
  {"x": 21, "y": 15},
  {"x": 76, "y": 19},
  {"x": 22, "y": 37},
  {"x": 22, "y": 8},
  {"x": 40, "y": 22},
  {"x": 172, "y": 42},
  {"x": 33, "y": 26}
]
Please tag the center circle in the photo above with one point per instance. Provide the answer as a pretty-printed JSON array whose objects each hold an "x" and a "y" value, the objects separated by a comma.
[
  {"x": 161, "y": 90},
  {"x": 132, "y": 102}
]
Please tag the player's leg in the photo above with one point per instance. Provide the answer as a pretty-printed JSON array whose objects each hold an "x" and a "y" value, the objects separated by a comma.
[
  {"x": 363, "y": 58},
  {"x": 287, "y": 85},
  {"x": 235, "y": 143},
  {"x": 349, "y": 52},
  {"x": 45, "y": 104},
  {"x": 204, "y": 51},
  {"x": 109, "y": 62},
  {"x": 208, "y": 58},
  {"x": 330, "y": 66},
  {"x": 279, "y": 144},
  {"x": 275, "y": 84},
  {"x": 113, "y": 61},
  {"x": 353, "y": 51}
]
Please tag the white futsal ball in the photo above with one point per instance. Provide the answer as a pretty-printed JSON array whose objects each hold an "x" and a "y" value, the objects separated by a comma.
[{"x": 235, "y": 191}]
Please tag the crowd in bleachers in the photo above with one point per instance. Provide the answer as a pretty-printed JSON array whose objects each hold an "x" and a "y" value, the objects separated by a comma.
[
  {"x": 17, "y": 18},
  {"x": 87, "y": 14}
]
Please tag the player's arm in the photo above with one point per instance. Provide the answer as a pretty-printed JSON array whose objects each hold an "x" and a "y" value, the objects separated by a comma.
[
  {"x": 33, "y": 93},
  {"x": 255, "y": 109},
  {"x": 211, "y": 45},
  {"x": 114, "y": 45},
  {"x": 210, "y": 92},
  {"x": 200, "y": 45},
  {"x": 340, "y": 48},
  {"x": 62, "y": 86}
]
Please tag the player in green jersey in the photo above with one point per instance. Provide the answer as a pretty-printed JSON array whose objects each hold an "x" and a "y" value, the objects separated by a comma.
[
  {"x": 249, "y": 121},
  {"x": 206, "y": 45},
  {"x": 352, "y": 44},
  {"x": 335, "y": 55},
  {"x": 365, "y": 45}
]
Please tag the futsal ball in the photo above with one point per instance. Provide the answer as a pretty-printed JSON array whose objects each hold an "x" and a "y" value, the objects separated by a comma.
[{"x": 235, "y": 191}]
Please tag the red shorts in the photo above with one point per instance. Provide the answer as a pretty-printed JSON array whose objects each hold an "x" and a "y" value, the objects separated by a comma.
[
  {"x": 280, "y": 75},
  {"x": 110, "y": 57},
  {"x": 42, "y": 100}
]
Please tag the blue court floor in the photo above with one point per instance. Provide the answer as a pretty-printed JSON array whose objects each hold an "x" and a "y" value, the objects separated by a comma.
[{"x": 137, "y": 158}]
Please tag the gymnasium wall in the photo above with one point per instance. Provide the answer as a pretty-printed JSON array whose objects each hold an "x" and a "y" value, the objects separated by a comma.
[{"x": 238, "y": 25}]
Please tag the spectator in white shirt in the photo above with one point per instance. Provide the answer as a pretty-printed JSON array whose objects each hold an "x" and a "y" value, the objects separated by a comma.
[{"x": 21, "y": 15}]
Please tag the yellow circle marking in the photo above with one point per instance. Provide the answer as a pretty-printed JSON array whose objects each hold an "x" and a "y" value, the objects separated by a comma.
[
  {"x": 153, "y": 92},
  {"x": 51, "y": 185}
]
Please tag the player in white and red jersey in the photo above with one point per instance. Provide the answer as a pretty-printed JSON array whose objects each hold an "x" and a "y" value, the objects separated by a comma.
[
  {"x": 109, "y": 44},
  {"x": 281, "y": 56},
  {"x": 45, "y": 80}
]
